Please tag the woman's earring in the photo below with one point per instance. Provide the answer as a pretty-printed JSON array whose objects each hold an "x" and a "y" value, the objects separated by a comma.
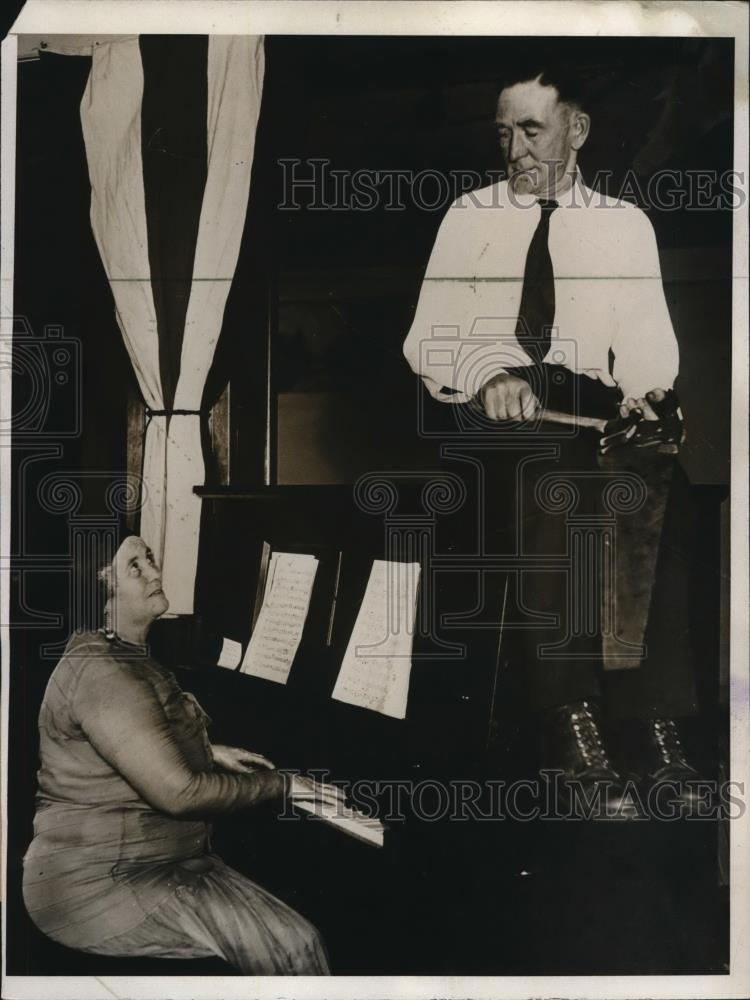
[{"x": 109, "y": 632}]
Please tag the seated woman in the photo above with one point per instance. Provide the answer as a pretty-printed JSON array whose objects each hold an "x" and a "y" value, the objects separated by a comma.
[{"x": 120, "y": 863}]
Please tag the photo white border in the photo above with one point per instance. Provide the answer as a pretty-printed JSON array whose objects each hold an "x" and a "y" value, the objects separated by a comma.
[{"x": 45, "y": 18}]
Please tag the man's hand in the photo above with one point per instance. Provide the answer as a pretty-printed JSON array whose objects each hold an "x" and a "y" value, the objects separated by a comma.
[
  {"x": 629, "y": 405},
  {"x": 650, "y": 423},
  {"x": 239, "y": 760},
  {"x": 507, "y": 397}
]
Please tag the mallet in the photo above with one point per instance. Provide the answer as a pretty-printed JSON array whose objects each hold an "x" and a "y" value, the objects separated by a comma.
[{"x": 572, "y": 419}]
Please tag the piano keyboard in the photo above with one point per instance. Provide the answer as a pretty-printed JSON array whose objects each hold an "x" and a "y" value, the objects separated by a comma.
[{"x": 366, "y": 828}]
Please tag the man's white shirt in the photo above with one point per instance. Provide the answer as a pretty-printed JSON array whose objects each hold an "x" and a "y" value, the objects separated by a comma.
[{"x": 608, "y": 294}]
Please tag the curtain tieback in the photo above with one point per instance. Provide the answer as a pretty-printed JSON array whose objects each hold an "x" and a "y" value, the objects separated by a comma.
[
  {"x": 170, "y": 413},
  {"x": 173, "y": 413}
]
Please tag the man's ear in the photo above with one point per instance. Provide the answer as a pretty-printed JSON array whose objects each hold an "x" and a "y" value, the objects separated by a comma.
[
  {"x": 107, "y": 578},
  {"x": 580, "y": 125}
]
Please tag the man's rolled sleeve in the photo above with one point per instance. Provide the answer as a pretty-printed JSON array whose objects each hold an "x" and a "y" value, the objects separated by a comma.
[
  {"x": 644, "y": 344},
  {"x": 440, "y": 346}
]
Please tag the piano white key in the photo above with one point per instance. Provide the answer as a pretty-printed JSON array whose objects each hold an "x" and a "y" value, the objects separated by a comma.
[{"x": 348, "y": 819}]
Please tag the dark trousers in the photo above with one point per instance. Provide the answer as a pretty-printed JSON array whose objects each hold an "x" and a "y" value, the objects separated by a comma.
[{"x": 546, "y": 501}]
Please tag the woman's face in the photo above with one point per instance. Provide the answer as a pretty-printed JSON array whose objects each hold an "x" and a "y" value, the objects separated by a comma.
[{"x": 137, "y": 582}]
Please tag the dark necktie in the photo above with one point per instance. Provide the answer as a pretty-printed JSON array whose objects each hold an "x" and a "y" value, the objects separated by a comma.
[{"x": 537, "y": 311}]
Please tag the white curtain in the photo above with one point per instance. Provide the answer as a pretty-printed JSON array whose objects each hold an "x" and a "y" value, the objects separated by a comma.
[{"x": 111, "y": 119}]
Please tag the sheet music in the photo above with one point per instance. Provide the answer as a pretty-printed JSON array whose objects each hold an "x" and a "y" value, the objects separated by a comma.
[
  {"x": 231, "y": 654},
  {"x": 278, "y": 630},
  {"x": 376, "y": 666}
]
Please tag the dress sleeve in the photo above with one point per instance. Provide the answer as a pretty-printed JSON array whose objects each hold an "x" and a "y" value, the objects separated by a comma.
[
  {"x": 120, "y": 714},
  {"x": 645, "y": 348}
]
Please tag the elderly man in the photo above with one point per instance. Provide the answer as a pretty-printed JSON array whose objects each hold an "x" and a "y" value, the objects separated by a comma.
[{"x": 541, "y": 293}]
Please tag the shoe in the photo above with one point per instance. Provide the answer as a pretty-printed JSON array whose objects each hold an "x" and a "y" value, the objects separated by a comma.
[
  {"x": 572, "y": 743},
  {"x": 663, "y": 761}
]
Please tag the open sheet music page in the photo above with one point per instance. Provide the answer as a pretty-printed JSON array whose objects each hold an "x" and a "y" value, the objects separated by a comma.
[
  {"x": 376, "y": 667},
  {"x": 278, "y": 630}
]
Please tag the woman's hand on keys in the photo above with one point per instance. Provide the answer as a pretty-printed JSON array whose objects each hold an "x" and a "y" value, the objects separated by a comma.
[{"x": 304, "y": 789}]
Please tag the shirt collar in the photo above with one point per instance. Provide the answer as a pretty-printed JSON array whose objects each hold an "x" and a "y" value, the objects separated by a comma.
[{"x": 572, "y": 198}]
